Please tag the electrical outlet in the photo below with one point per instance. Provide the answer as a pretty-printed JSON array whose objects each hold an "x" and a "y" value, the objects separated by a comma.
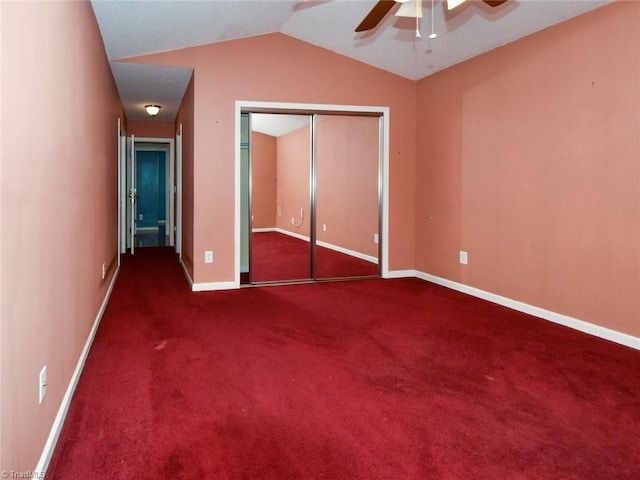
[
  {"x": 208, "y": 256},
  {"x": 42, "y": 384},
  {"x": 324, "y": 227},
  {"x": 464, "y": 258},
  {"x": 104, "y": 270},
  {"x": 140, "y": 217},
  {"x": 376, "y": 238}
]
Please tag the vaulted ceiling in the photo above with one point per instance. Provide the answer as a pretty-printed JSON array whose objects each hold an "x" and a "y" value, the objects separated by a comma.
[{"x": 132, "y": 28}]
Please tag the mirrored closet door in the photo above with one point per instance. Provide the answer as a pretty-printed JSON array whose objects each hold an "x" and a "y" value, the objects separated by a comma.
[
  {"x": 312, "y": 192},
  {"x": 347, "y": 212}
]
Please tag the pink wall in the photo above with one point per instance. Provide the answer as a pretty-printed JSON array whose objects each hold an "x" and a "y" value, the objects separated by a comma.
[
  {"x": 293, "y": 152},
  {"x": 59, "y": 208},
  {"x": 151, "y": 129},
  {"x": 289, "y": 71},
  {"x": 1, "y": 275},
  {"x": 185, "y": 117},
  {"x": 528, "y": 158},
  {"x": 263, "y": 178}
]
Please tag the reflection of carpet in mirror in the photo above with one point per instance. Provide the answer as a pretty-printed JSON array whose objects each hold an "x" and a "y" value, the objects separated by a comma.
[{"x": 276, "y": 256}]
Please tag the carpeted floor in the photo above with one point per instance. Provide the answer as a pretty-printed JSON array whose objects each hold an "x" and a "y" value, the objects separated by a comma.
[{"x": 374, "y": 379}]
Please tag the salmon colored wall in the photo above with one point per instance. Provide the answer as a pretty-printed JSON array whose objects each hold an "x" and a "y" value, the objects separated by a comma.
[
  {"x": 293, "y": 152},
  {"x": 528, "y": 158},
  {"x": 278, "y": 68},
  {"x": 348, "y": 157},
  {"x": 185, "y": 117},
  {"x": 1, "y": 210},
  {"x": 263, "y": 179},
  {"x": 59, "y": 208},
  {"x": 151, "y": 129}
]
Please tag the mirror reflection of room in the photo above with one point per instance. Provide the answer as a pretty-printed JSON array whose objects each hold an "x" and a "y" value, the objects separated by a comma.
[
  {"x": 280, "y": 197},
  {"x": 332, "y": 234},
  {"x": 347, "y": 205}
]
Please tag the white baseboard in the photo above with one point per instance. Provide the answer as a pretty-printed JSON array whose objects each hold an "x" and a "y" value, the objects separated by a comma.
[
  {"x": 212, "y": 286},
  {"x": 186, "y": 273},
  {"x": 574, "y": 323},
  {"x": 207, "y": 286},
  {"x": 264, "y": 229},
  {"x": 400, "y": 274},
  {"x": 58, "y": 422}
]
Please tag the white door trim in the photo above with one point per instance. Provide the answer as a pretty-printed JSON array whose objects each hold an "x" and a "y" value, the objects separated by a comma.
[
  {"x": 122, "y": 188},
  {"x": 178, "y": 193}
]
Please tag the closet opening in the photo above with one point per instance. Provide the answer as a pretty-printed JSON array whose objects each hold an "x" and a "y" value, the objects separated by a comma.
[{"x": 312, "y": 193}]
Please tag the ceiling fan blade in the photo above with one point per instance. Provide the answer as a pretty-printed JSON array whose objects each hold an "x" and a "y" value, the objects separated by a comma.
[
  {"x": 494, "y": 3},
  {"x": 377, "y": 13}
]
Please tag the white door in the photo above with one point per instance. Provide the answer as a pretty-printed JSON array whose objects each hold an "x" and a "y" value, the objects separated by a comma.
[{"x": 133, "y": 195}]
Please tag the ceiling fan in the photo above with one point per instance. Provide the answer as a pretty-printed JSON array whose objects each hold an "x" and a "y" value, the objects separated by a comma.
[{"x": 408, "y": 8}]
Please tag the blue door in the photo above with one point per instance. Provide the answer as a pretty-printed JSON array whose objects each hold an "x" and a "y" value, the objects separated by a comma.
[{"x": 152, "y": 190}]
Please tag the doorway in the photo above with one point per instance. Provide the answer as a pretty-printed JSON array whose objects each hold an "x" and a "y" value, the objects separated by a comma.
[
  {"x": 153, "y": 197},
  {"x": 148, "y": 189},
  {"x": 314, "y": 206}
]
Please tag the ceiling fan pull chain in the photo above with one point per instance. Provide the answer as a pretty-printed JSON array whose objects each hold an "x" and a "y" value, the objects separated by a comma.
[
  {"x": 433, "y": 33},
  {"x": 418, "y": 28}
]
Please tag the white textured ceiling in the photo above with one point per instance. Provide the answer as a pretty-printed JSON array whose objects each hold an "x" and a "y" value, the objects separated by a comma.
[
  {"x": 132, "y": 28},
  {"x": 140, "y": 85},
  {"x": 277, "y": 124}
]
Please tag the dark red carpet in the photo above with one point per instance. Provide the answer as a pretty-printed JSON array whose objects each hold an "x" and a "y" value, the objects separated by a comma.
[
  {"x": 374, "y": 379},
  {"x": 277, "y": 257}
]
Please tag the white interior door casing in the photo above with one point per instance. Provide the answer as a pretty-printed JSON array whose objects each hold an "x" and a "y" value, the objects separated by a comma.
[
  {"x": 122, "y": 186},
  {"x": 128, "y": 187},
  {"x": 178, "y": 192}
]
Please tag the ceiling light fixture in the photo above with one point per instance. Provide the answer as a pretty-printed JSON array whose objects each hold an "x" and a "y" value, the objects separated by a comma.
[{"x": 152, "y": 110}]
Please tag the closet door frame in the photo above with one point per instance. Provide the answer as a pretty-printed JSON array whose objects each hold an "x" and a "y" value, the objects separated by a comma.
[{"x": 318, "y": 109}]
